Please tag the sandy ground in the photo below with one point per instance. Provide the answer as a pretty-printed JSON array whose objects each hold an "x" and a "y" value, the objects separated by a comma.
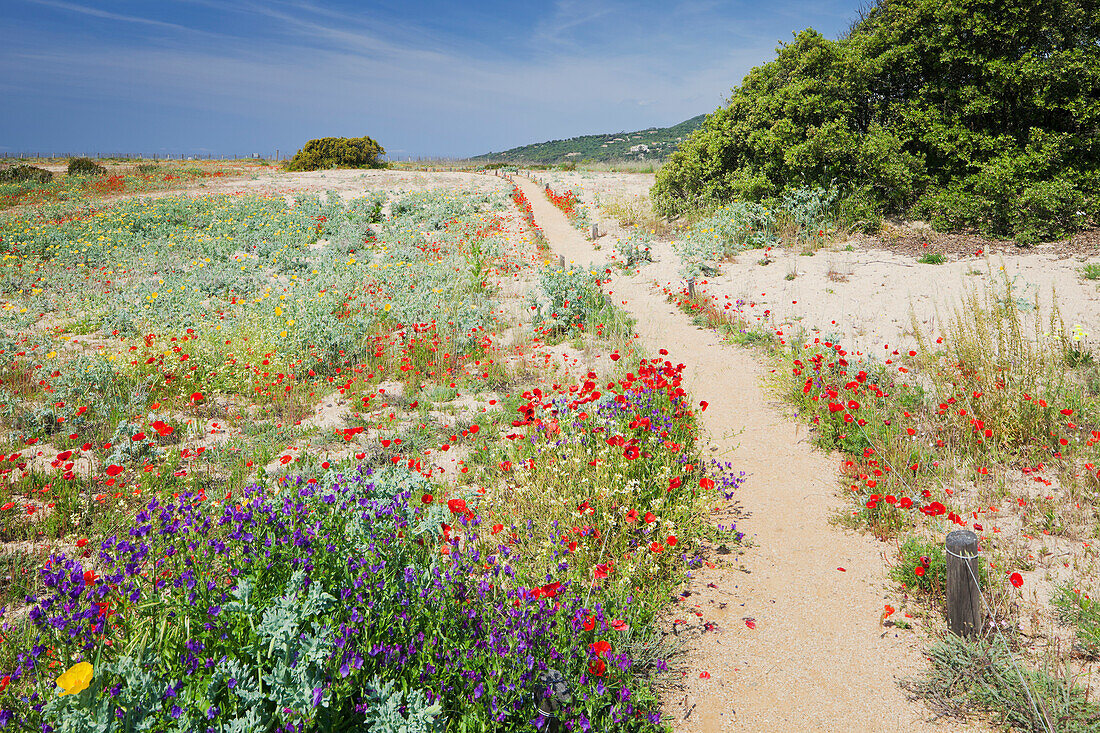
[
  {"x": 856, "y": 291},
  {"x": 818, "y": 658},
  {"x": 348, "y": 183}
]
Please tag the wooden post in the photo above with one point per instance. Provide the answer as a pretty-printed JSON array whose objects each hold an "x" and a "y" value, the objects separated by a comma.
[
  {"x": 964, "y": 597},
  {"x": 551, "y": 695},
  {"x": 691, "y": 287},
  {"x": 595, "y": 232},
  {"x": 561, "y": 261}
]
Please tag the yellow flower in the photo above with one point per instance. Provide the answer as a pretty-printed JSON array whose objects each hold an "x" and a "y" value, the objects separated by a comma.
[{"x": 76, "y": 679}]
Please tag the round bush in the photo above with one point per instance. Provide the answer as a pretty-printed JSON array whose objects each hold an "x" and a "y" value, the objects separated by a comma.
[
  {"x": 337, "y": 152},
  {"x": 85, "y": 167},
  {"x": 25, "y": 173}
]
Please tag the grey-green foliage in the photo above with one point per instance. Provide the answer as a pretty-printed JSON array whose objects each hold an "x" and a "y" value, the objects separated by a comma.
[
  {"x": 812, "y": 208},
  {"x": 129, "y": 710},
  {"x": 392, "y": 711},
  {"x": 635, "y": 249},
  {"x": 968, "y": 675},
  {"x": 297, "y": 648},
  {"x": 724, "y": 232},
  {"x": 565, "y": 299},
  {"x": 127, "y": 450}
]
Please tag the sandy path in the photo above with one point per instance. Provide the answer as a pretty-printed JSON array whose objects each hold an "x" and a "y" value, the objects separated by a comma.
[{"x": 818, "y": 658}]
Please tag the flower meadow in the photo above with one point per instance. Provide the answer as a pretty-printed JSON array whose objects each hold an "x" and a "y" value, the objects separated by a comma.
[
  {"x": 990, "y": 426},
  {"x": 196, "y": 544},
  {"x": 70, "y": 192},
  {"x": 570, "y": 204}
]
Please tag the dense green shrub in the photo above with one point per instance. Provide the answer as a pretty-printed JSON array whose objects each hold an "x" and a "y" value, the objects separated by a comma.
[
  {"x": 85, "y": 167},
  {"x": 337, "y": 152},
  {"x": 24, "y": 174},
  {"x": 978, "y": 114}
]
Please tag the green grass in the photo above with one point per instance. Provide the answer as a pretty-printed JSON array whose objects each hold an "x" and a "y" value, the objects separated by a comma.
[
  {"x": 1080, "y": 611},
  {"x": 1091, "y": 271},
  {"x": 932, "y": 258}
]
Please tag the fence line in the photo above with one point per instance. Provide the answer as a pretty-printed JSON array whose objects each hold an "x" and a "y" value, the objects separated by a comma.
[{"x": 25, "y": 155}]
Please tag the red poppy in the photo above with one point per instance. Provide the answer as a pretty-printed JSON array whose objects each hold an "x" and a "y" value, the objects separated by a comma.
[
  {"x": 457, "y": 506},
  {"x": 919, "y": 571},
  {"x": 589, "y": 623},
  {"x": 649, "y": 518},
  {"x": 656, "y": 547},
  {"x": 671, "y": 540},
  {"x": 426, "y": 499},
  {"x": 631, "y": 453},
  {"x": 114, "y": 470},
  {"x": 934, "y": 509},
  {"x": 597, "y": 667},
  {"x": 599, "y": 648},
  {"x": 197, "y": 397},
  {"x": 1016, "y": 579}
]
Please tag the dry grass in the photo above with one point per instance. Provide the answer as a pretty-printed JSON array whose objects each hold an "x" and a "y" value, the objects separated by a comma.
[{"x": 637, "y": 211}]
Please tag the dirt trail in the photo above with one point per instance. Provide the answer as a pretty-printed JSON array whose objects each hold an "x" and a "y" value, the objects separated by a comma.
[{"x": 818, "y": 658}]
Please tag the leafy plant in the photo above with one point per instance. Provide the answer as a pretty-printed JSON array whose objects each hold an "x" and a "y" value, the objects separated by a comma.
[
  {"x": 932, "y": 258},
  {"x": 921, "y": 566},
  {"x": 337, "y": 152},
  {"x": 85, "y": 167},
  {"x": 1083, "y": 613},
  {"x": 25, "y": 174}
]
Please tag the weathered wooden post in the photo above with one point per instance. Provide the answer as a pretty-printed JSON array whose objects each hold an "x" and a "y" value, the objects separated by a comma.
[
  {"x": 551, "y": 695},
  {"x": 691, "y": 287},
  {"x": 595, "y": 231},
  {"x": 964, "y": 597},
  {"x": 561, "y": 261}
]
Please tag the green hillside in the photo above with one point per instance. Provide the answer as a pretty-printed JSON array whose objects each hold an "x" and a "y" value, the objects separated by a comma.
[{"x": 655, "y": 143}]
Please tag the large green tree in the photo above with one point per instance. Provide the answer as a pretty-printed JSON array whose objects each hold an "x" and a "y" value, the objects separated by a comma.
[{"x": 976, "y": 113}]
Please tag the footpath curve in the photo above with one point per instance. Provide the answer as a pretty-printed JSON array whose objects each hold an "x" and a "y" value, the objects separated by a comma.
[{"x": 818, "y": 658}]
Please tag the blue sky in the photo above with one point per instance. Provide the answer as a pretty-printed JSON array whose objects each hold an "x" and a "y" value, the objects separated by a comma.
[{"x": 423, "y": 78}]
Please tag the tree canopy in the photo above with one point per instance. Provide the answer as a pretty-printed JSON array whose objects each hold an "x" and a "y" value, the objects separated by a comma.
[
  {"x": 337, "y": 152},
  {"x": 979, "y": 114}
]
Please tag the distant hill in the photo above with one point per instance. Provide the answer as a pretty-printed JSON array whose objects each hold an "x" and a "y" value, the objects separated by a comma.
[{"x": 655, "y": 143}]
